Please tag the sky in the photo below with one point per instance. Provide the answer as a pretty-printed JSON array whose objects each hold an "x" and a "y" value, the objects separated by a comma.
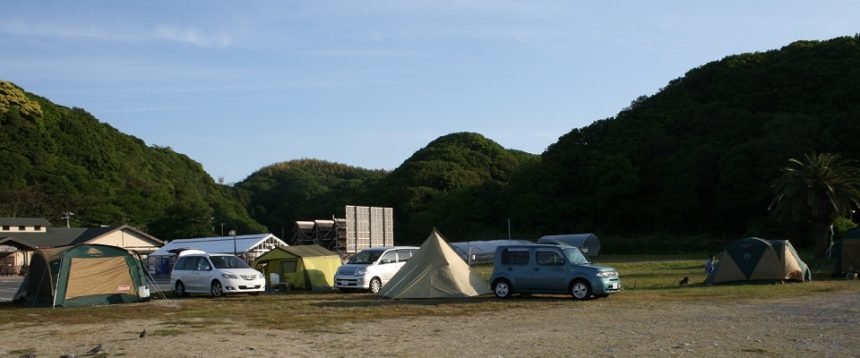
[{"x": 238, "y": 85}]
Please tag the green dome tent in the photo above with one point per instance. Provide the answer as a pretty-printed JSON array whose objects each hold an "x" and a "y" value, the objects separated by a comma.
[
  {"x": 757, "y": 260},
  {"x": 83, "y": 275}
]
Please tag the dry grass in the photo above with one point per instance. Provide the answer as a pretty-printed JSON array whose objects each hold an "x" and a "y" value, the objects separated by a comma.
[{"x": 645, "y": 283}]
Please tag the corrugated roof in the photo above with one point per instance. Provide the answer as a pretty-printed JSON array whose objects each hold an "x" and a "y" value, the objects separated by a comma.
[
  {"x": 24, "y": 222},
  {"x": 218, "y": 244}
]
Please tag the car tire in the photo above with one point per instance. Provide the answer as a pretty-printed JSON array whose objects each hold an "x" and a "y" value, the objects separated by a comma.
[
  {"x": 375, "y": 285},
  {"x": 580, "y": 290},
  {"x": 502, "y": 288},
  {"x": 179, "y": 289},
  {"x": 217, "y": 290}
]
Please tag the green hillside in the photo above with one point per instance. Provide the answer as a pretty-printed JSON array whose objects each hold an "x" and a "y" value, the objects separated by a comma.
[
  {"x": 459, "y": 183},
  {"x": 699, "y": 157},
  {"x": 59, "y": 159},
  {"x": 279, "y": 194}
]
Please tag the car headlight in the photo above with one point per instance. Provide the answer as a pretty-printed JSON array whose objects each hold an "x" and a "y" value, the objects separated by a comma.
[
  {"x": 229, "y": 275},
  {"x": 260, "y": 276},
  {"x": 607, "y": 274}
]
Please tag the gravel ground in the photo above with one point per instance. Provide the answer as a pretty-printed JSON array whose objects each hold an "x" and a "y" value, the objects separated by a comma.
[{"x": 818, "y": 325}]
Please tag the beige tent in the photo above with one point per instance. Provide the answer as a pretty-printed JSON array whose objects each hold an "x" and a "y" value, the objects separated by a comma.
[{"x": 435, "y": 271}]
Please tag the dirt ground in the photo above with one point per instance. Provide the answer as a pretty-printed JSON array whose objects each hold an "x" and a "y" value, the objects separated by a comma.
[{"x": 819, "y": 325}]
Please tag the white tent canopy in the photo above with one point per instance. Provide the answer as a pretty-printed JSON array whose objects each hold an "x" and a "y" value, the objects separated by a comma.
[{"x": 250, "y": 246}]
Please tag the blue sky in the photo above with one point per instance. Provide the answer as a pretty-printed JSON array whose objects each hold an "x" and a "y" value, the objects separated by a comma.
[{"x": 237, "y": 85}]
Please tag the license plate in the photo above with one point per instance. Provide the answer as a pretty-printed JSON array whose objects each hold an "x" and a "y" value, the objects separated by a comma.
[{"x": 613, "y": 286}]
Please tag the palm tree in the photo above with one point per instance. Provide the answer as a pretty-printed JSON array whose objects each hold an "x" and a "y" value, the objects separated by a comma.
[{"x": 816, "y": 191}]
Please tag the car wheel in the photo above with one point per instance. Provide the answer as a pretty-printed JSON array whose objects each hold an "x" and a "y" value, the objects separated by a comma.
[
  {"x": 217, "y": 290},
  {"x": 502, "y": 288},
  {"x": 180, "y": 289},
  {"x": 375, "y": 285},
  {"x": 580, "y": 289}
]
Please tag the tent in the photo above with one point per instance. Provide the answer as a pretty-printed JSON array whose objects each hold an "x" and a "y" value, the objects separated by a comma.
[
  {"x": 588, "y": 243},
  {"x": 848, "y": 249},
  {"x": 755, "y": 259},
  {"x": 435, "y": 271},
  {"x": 81, "y": 275},
  {"x": 308, "y": 267}
]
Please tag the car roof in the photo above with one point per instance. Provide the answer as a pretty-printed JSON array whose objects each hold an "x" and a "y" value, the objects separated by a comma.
[
  {"x": 385, "y": 248},
  {"x": 525, "y": 246}
]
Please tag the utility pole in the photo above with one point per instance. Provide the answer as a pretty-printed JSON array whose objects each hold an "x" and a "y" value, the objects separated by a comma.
[
  {"x": 67, "y": 215},
  {"x": 233, "y": 232}
]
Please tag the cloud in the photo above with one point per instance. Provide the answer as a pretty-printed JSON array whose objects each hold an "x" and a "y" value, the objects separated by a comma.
[{"x": 192, "y": 36}]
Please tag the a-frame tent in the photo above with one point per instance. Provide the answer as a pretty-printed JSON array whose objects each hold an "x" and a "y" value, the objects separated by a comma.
[{"x": 435, "y": 271}]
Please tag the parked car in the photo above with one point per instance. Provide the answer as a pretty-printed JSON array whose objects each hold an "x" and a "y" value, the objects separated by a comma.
[
  {"x": 215, "y": 274},
  {"x": 538, "y": 268},
  {"x": 370, "y": 269}
]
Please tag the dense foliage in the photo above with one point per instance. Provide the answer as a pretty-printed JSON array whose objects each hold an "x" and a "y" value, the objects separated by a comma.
[
  {"x": 701, "y": 155},
  {"x": 459, "y": 184},
  {"x": 57, "y": 159},
  {"x": 306, "y": 189}
]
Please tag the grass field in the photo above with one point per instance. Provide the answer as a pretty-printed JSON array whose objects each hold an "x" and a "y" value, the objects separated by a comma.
[{"x": 645, "y": 282}]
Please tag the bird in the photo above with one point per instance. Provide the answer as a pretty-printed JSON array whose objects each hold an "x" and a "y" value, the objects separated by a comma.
[
  {"x": 142, "y": 334},
  {"x": 684, "y": 281},
  {"x": 96, "y": 349}
]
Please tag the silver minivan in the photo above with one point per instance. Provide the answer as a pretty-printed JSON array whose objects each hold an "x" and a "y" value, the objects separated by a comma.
[
  {"x": 550, "y": 269},
  {"x": 370, "y": 269}
]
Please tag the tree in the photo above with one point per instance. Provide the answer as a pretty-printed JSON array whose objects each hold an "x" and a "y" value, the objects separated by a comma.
[{"x": 816, "y": 191}]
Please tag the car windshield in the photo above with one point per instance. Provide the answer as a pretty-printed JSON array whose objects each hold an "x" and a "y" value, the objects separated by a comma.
[
  {"x": 575, "y": 256},
  {"x": 223, "y": 262},
  {"x": 366, "y": 257}
]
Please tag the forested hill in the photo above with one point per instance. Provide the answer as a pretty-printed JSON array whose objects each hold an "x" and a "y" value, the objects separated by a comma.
[
  {"x": 307, "y": 189},
  {"x": 700, "y": 156},
  {"x": 57, "y": 159},
  {"x": 459, "y": 184}
]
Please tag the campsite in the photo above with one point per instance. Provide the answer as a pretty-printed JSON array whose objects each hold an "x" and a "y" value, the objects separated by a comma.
[{"x": 653, "y": 316}]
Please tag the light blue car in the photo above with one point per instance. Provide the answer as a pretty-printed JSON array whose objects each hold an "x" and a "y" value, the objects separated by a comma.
[{"x": 550, "y": 269}]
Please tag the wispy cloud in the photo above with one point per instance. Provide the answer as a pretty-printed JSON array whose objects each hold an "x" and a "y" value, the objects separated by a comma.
[{"x": 193, "y": 36}]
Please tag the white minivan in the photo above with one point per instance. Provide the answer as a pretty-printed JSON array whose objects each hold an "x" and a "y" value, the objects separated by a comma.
[
  {"x": 216, "y": 274},
  {"x": 370, "y": 269}
]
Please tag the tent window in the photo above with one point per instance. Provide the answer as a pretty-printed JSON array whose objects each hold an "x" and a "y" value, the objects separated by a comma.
[
  {"x": 288, "y": 266},
  {"x": 515, "y": 257}
]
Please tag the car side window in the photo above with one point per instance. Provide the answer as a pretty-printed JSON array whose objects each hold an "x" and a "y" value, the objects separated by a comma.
[
  {"x": 404, "y": 255},
  {"x": 389, "y": 257},
  {"x": 203, "y": 264},
  {"x": 548, "y": 257},
  {"x": 190, "y": 263},
  {"x": 180, "y": 264},
  {"x": 515, "y": 256}
]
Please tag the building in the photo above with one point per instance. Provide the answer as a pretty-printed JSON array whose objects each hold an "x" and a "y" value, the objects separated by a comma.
[
  {"x": 248, "y": 247},
  {"x": 19, "y": 237}
]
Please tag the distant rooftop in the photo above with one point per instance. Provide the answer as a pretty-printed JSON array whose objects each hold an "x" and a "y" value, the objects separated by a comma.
[{"x": 24, "y": 222}]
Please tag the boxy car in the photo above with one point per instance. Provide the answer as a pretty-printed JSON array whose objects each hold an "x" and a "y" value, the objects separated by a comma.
[
  {"x": 370, "y": 269},
  {"x": 540, "y": 268},
  {"x": 215, "y": 274}
]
